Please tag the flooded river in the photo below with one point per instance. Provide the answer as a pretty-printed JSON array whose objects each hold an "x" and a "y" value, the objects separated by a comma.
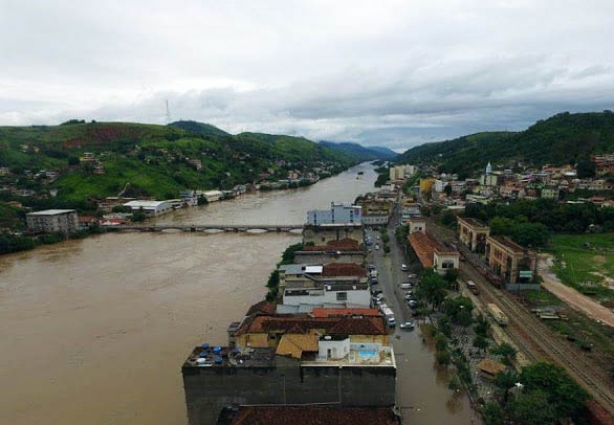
[{"x": 95, "y": 331}]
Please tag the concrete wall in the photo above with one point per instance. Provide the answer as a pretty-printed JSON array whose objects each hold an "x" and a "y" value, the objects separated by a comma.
[
  {"x": 208, "y": 390},
  {"x": 317, "y": 257}
]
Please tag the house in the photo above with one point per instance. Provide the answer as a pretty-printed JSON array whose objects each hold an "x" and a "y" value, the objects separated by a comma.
[
  {"x": 293, "y": 360},
  {"x": 53, "y": 221},
  {"x": 150, "y": 208},
  {"x": 514, "y": 263},
  {"x": 338, "y": 214},
  {"x": 489, "y": 368},
  {"x": 321, "y": 415},
  {"x": 213, "y": 195},
  {"x": 429, "y": 251},
  {"x": 306, "y": 287},
  {"x": 472, "y": 234}
]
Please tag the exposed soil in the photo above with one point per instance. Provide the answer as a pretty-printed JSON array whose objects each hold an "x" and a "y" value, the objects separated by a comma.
[{"x": 570, "y": 296}]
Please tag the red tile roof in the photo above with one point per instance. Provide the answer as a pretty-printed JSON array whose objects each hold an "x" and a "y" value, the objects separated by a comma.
[
  {"x": 303, "y": 324},
  {"x": 343, "y": 269},
  {"x": 338, "y": 312},
  {"x": 424, "y": 246},
  {"x": 314, "y": 415},
  {"x": 263, "y": 307}
]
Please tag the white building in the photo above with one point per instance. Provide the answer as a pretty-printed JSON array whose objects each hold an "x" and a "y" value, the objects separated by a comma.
[
  {"x": 151, "y": 208},
  {"x": 53, "y": 221},
  {"x": 213, "y": 195},
  {"x": 338, "y": 214}
]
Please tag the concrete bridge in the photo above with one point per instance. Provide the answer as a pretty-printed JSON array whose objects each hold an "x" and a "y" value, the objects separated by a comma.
[{"x": 235, "y": 228}]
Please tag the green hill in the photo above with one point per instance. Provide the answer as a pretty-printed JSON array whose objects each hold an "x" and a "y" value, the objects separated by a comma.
[
  {"x": 155, "y": 160},
  {"x": 199, "y": 127},
  {"x": 563, "y": 138}
]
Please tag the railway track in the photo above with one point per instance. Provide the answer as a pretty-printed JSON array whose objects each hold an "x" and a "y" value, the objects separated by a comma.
[{"x": 539, "y": 343}]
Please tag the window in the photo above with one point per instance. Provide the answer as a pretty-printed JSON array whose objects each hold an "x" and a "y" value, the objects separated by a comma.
[{"x": 342, "y": 296}]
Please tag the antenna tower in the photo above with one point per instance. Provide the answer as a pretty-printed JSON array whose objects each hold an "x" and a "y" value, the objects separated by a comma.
[{"x": 168, "y": 113}]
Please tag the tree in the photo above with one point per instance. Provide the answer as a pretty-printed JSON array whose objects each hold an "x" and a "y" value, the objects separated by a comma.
[
  {"x": 386, "y": 249},
  {"x": 447, "y": 190},
  {"x": 481, "y": 325},
  {"x": 501, "y": 226},
  {"x": 480, "y": 342},
  {"x": 505, "y": 381},
  {"x": 586, "y": 169},
  {"x": 506, "y": 351},
  {"x": 532, "y": 408},
  {"x": 562, "y": 391},
  {"x": 73, "y": 160},
  {"x": 443, "y": 357},
  {"x": 432, "y": 287},
  {"x": 493, "y": 414}
]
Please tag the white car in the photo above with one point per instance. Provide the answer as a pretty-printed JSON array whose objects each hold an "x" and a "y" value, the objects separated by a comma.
[
  {"x": 403, "y": 267},
  {"x": 407, "y": 325},
  {"x": 405, "y": 285}
]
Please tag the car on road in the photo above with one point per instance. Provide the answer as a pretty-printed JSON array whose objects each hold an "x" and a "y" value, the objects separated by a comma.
[
  {"x": 412, "y": 303},
  {"x": 377, "y": 247},
  {"x": 409, "y": 296},
  {"x": 407, "y": 325},
  {"x": 403, "y": 267},
  {"x": 412, "y": 276}
]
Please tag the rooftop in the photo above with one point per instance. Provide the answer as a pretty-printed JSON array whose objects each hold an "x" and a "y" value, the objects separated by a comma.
[
  {"x": 424, "y": 246},
  {"x": 144, "y": 204},
  {"x": 51, "y": 212},
  {"x": 207, "y": 356},
  {"x": 320, "y": 415},
  {"x": 343, "y": 269},
  {"x": 472, "y": 222},
  {"x": 509, "y": 244},
  {"x": 338, "y": 312},
  {"x": 303, "y": 325}
]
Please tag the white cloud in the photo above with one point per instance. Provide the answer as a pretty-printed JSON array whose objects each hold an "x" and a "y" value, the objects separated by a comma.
[{"x": 392, "y": 73}]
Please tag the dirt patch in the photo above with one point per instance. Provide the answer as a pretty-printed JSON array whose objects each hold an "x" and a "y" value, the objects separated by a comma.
[
  {"x": 600, "y": 260},
  {"x": 570, "y": 296},
  {"x": 606, "y": 280}
]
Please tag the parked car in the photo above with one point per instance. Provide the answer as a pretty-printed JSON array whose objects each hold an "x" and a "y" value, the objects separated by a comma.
[
  {"x": 412, "y": 276},
  {"x": 403, "y": 267},
  {"x": 407, "y": 325},
  {"x": 405, "y": 285},
  {"x": 409, "y": 296},
  {"x": 377, "y": 247},
  {"x": 412, "y": 303}
]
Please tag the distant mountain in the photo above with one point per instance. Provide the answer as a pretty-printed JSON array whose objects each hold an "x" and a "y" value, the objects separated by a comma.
[
  {"x": 561, "y": 139},
  {"x": 385, "y": 152},
  {"x": 359, "y": 152},
  {"x": 199, "y": 127}
]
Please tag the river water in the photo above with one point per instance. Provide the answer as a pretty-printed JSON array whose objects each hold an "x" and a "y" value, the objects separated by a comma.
[{"x": 95, "y": 331}]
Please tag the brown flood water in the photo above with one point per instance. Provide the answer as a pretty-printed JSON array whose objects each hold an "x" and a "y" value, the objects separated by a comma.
[{"x": 95, "y": 331}]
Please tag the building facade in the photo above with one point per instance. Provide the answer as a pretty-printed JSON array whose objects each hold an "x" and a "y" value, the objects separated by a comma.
[
  {"x": 514, "y": 263},
  {"x": 338, "y": 214},
  {"x": 472, "y": 234},
  {"x": 53, "y": 221}
]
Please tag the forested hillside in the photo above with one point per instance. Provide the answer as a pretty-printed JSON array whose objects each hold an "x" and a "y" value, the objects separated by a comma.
[
  {"x": 96, "y": 159},
  {"x": 563, "y": 138}
]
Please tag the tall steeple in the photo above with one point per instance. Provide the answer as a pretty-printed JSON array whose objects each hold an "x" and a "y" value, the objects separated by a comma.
[{"x": 488, "y": 169}]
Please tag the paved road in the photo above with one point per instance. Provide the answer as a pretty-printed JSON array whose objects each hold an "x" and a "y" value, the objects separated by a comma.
[{"x": 423, "y": 395}]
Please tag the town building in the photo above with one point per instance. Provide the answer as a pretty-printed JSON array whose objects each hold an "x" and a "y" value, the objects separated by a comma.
[
  {"x": 472, "y": 234},
  {"x": 321, "y": 415},
  {"x": 327, "y": 234},
  {"x": 150, "y": 208},
  {"x": 293, "y": 360},
  {"x": 333, "y": 285},
  {"x": 334, "y": 251},
  {"x": 213, "y": 195},
  {"x": 338, "y": 214},
  {"x": 429, "y": 251},
  {"x": 514, "y": 263},
  {"x": 53, "y": 221}
]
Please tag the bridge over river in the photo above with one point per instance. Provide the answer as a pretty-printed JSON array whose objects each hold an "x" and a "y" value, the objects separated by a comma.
[{"x": 236, "y": 228}]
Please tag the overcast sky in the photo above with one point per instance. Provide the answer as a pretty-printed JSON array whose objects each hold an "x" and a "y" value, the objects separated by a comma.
[{"x": 388, "y": 73}]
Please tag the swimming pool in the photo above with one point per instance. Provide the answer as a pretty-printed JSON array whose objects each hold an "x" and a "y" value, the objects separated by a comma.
[{"x": 367, "y": 353}]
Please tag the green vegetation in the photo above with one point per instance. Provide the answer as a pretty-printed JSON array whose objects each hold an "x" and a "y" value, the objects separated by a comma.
[
  {"x": 360, "y": 153},
  {"x": 562, "y": 139},
  {"x": 528, "y": 222},
  {"x": 586, "y": 263},
  {"x": 286, "y": 258},
  {"x": 156, "y": 161}
]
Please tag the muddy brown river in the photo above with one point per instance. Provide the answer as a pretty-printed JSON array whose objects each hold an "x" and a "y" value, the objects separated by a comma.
[{"x": 95, "y": 331}]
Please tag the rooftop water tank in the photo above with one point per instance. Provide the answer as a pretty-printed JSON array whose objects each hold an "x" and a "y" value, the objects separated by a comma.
[
  {"x": 218, "y": 360},
  {"x": 205, "y": 346},
  {"x": 217, "y": 350},
  {"x": 202, "y": 354}
]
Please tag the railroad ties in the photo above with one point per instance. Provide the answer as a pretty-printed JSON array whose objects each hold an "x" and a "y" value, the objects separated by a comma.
[{"x": 234, "y": 228}]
